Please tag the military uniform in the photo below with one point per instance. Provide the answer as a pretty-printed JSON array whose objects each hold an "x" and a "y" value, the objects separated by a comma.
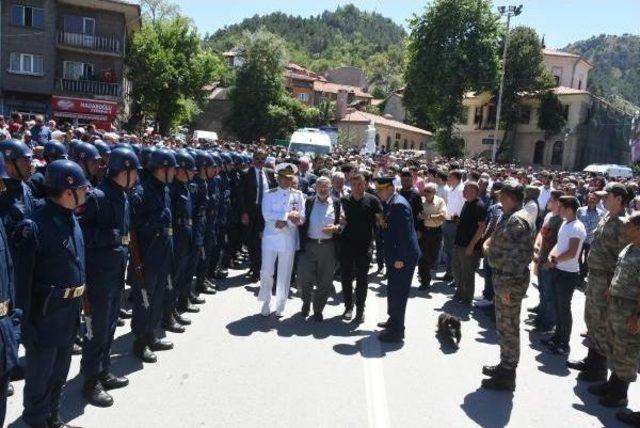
[
  {"x": 278, "y": 244},
  {"x": 509, "y": 254}
]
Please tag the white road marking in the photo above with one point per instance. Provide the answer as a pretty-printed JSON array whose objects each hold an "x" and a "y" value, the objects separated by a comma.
[{"x": 377, "y": 407}]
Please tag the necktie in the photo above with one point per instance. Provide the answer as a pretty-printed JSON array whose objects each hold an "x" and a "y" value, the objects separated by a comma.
[{"x": 260, "y": 187}]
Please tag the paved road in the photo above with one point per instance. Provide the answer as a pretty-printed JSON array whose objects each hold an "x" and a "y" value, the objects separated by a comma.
[{"x": 235, "y": 368}]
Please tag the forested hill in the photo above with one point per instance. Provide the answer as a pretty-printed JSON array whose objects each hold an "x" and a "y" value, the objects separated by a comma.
[
  {"x": 347, "y": 36},
  {"x": 616, "y": 61}
]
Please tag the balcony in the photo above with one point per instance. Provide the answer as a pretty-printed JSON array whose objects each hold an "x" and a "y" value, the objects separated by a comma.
[
  {"x": 92, "y": 87},
  {"x": 96, "y": 44}
]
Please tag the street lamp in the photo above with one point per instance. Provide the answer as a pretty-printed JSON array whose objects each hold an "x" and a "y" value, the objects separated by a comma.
[{"x": 509, "y": 11}]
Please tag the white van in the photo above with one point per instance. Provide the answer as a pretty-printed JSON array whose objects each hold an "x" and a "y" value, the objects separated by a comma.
[
  {"x": 612, "y": 170},
  {"x": 205, "y": 136},
  {"x": 310, "y": 141}
]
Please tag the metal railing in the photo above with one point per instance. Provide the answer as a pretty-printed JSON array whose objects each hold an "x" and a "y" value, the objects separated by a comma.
[
  {"x": 90, "y": 87},
  {"x": 96, "y": 43}
]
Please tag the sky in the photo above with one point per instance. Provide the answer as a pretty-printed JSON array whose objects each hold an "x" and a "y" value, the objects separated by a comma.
[{"x": 560, "y": 21}]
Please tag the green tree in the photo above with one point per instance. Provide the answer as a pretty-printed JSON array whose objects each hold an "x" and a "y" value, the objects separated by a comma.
[
  {"x": 168, "y": 69},
  {"x": 551, "y": 117},
  {"x": 159, "y": 10},
  {"x": 525, "y": 73},
  {"x": 452, "y": 49}
]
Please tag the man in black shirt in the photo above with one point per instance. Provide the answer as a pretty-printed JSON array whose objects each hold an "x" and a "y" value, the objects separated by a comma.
[
  {"x": 361, "y": 211},
  {"x": 466, "y": 250},
  {"x": 412, "y": 196}
]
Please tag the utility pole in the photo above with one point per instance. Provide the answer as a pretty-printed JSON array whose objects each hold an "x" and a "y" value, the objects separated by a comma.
[{"x": 509, "y": 11}]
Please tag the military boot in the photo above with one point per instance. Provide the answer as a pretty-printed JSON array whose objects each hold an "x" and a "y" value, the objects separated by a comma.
[
  {"x": 111, "y": 381},
  {"x": 142, "y": 351},
  {"x": 596, "y": 371},
  {"x": 170, "y": 324},
  {"x": 491, "y": 371},
  {"x": 157, "y": 344},
  {"x": 93, "y": 391},
  {"x": 185, "y": 305},
  {"x": 583, "y": 364},
  {"x": 617, "y": 394},
  {"x": 502, "y": 379},
  {"x": 181, "y": 320},
  {"x": 601, "y": 389},
  {"x": 629, "y": 418}
]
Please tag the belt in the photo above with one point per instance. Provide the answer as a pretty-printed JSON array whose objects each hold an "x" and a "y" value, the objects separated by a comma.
[
  {"x": 125, "y": 239},
  {"x": 70, "y": 292},
  {"x": 4, "y": 308},
  {"x": 183, "y": 222},
  {"x": 319, "y": 241},
  {"x": 167, "y": 231}
]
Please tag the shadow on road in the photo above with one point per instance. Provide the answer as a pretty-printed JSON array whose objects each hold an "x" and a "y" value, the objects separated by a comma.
[{"x": 488, "y": 408}]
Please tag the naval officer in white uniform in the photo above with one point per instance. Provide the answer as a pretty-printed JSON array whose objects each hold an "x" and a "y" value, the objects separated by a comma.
[{"x": 283, "y": 212}]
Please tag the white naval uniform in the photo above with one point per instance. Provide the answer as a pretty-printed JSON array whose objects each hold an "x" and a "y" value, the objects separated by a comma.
[{"x": 280, "y": 244}]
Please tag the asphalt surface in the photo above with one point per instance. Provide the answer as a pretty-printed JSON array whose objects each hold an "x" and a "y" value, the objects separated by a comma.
[{"x": 236, "y": 368}]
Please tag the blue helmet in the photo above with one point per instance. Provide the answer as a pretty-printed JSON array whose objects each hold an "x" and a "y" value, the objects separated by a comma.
[
  {"x": 122, "y": 144},
  {"x": 3, "y": 170},
  {"x": 162, "y": 158},
  {"x": 217, "y": 160},
  {"x": 73, "y": 144},
  {"x": 64, "y": 174},
  {"x": 145, "y": 155},
  {"x": 84, "y": 152},
  {"x": 184, "y": 160},
  {"x": 103, "y": 148},
  {"x": 14, "y": 149},
  {"x": 236, "y": 158},
  {"x": 54, "y": 150},
  {"x": 137, "y": 149},
  {"x": 122, "y": 159},
  {"x": 203, "y": 159},
  {"x": 226, "y": 159}
]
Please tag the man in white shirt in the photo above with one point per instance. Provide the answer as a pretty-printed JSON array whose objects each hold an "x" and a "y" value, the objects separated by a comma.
[
  {"x": 283, "y": 212},
  {"x": 545, "y": 193},
  {"x": 455, "y": 202},
  {"x": 566, "y": 272}
]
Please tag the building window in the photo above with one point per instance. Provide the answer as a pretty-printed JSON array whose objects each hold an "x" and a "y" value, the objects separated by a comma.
[
  {"x": 398, "y": 136},
  {"x": 25, "y": 63},
  {"x": 396, "y": 145},
  {"x": 538, "y": 153},
  {"x": 422, "y": 146},
  {"x": 405, "y": 144},
  {"x": 464, "y": 116},
  {"x": 556, "y": 154},
  {"x": 557, "y": 74},
  {"x": 413, "y": 145},
  {"x": 27, "y": 16},
  {"x": 388, "y": 142},
  {"x": 525, "y": 115},
  {"x": 304, "y": 97},
  {"x": 477, "y": 116},
  {"x": 77, "y": 70},
  {"x": 377, "y": 140},
  {"x": 565, "y": 112},
  {"x": 80, "y": 25}
]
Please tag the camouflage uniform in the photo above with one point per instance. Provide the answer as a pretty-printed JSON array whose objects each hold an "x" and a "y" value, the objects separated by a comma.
[
  {"x": 608, "y": 240},
  {"x": 509, "y": 255},
  {"x": 624, "y": 347}
]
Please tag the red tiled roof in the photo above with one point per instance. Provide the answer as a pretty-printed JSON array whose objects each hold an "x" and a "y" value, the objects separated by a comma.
[
  {"x": 333, "y": 88},
  {"x": 364, "y": 117}
]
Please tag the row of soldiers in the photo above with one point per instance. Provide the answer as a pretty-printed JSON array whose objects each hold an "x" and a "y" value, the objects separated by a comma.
[{"x": 92, "y": 219}]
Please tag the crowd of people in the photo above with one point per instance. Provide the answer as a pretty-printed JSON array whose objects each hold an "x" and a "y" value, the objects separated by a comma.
[{"x": 86, "y": 213}]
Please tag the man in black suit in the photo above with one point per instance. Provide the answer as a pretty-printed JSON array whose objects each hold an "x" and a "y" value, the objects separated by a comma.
[
  {"x": 412, "y": 196},
  {"x": 305, "y": 177},
  {"x": 254, "y": 184}
]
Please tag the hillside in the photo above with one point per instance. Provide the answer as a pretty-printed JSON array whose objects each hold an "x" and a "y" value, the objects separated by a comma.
[
  {"x": 616, "y": 62},
  {"x": 347, "y": 36}
]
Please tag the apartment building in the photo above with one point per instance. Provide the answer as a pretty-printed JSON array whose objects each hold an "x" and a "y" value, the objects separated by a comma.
[{"x": 65, "y": 58}]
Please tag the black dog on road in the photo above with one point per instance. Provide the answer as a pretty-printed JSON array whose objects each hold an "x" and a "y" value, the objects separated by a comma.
[{"x": 449, "y": 329}]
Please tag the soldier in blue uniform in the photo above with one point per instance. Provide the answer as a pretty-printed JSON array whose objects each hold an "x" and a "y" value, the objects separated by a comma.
[
  {"x": 401, "y": 253},
  {"x": 153, "y": 226},
  {"x": 87, "y": 156},
  {"x": 105, "y": 151},
  {"x": 234, "y": 226},
  {"x": 105, "y": 221},
  {"x": 53, "y": 150},
  {"x": 8, "y": 312},
  {"x": 182, "y": 214},
  {"x": 224, "y": 184},
  {"x": 50, "y": 272}
]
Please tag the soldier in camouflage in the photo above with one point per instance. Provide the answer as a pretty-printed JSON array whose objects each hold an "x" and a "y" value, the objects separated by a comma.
[
  {"x": 509, "y": 252},
  {"x": 624, "y": 323},
  {"x": 608, "y": 241}
]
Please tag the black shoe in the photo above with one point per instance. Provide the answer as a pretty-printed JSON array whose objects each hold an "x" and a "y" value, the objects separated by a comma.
[
  {"x": 157, "y": 344},
  {"x": 125, "y": 314},
  {"x": 55, "y": 422},
  {"x": 180, "y": 319},
  {"x": 170, "y": 324},
  {"x": 10, "y": 390},
  {"x": 317, "y": 317},
  {"x": 579, "y": 365},
  {"x": 94, "y": 393},
  {"x": 599, "y": 389},
  {"x": 120, "y": 322},
  {"x": 617, "y": 394},
  {"x": 491, "y": 371},
  {"x": 189, "y": 307},
  {"x": 306, "y": 307},
  {"x": 77, "y": 349},
  {"x": 629, "y": 418},
  {"x": 596, "y": 370},
  {"x": 359, "y": 318},
  {"x": 142, "y": 351},
  {"x": 110, "y": 381},
  {"x": 424, "y": 287},
  {"x": 347, "y": 315},
  {"x": 17, "y": 373},
  {"x": 446, "y": 277},
  {"x": 499, "y": 384},
  {"x": 388, "y": 336},
  {"x": 383, "y": 324},
  {"x": 197, "y": 300},
  {"x": 534, "y": 309},
  {"x": 207, "y": 289}
]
